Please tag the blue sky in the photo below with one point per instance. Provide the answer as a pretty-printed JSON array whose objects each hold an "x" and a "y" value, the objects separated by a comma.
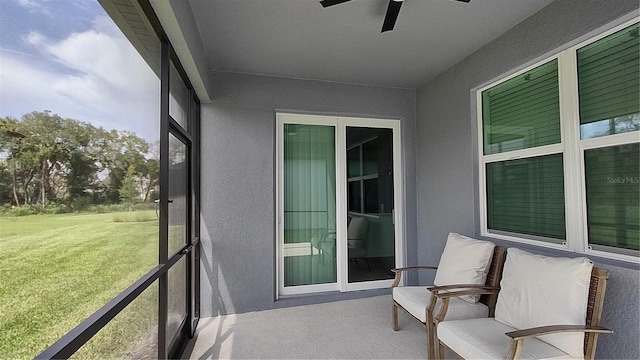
[{"x": 68, "y": 57}]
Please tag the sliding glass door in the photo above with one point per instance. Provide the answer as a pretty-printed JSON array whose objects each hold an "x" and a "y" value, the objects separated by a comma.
[
  {"x": 336, "y": 203},
  {"x": 370, "y": 206},
  {"x": 178, "y": 230}
]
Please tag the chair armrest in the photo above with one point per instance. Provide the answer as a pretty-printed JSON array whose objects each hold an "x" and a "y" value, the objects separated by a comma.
[
  {"x": 467, "y": 290},
  {"x": 518, "y": 336},
  {"x": 399, "y": 271},
  {"x": 448, "y": 288},
  {"x": 396, "y": 270},
  {"x": 551, "y": 329}
]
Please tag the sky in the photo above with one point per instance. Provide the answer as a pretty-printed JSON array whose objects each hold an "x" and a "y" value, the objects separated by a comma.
[{"x": 68, "y": 57}]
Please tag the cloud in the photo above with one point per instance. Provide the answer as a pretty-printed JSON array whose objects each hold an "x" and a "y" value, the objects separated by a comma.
[
  {"x": 35, "y": 38},
  {"x": 31, "y": 4},
  {"x": 34, "y": 6},
  {"x": 94, "y": 76},
  {"x": 23, "y": 86},
  {"x": 100, "y": 54}
]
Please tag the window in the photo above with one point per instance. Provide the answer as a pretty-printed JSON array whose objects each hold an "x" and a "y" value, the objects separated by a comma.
[
  {"x": 559, "y": 149},
  {"x": 611, "y": 175}
]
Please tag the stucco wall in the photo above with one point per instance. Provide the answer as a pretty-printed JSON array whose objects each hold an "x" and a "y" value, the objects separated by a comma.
[
  {"x": 447, "y": 185},
  {"x": 238, "y": 175}
]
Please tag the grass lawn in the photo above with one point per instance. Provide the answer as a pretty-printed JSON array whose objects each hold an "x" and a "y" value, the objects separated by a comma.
[{"x": 56, "y": 270}]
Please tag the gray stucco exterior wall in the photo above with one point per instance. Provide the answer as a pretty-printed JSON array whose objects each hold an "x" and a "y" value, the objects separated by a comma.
[
  {"x": 447, "y": 185},
  {"x": 238, "y": 178}
]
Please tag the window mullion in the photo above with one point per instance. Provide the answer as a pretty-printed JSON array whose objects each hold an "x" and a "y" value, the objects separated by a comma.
[
  {"x": 524, "y": 153},
  {"x": 570, "y": 133},
  {"x": 610, "y": 140},
  {"x": 482, "y": 166}
]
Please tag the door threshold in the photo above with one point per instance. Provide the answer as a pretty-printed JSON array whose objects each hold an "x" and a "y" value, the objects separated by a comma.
[{"x": 326, "y": 297}]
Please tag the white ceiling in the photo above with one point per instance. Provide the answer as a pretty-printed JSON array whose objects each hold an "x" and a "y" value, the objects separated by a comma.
[{"x": 343, "y": 43}]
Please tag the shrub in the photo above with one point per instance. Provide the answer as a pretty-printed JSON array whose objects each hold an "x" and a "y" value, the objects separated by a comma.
[
  {"x": 26, "y": 209},
  {"x": 103, "y": 209},
  {"x": 4, "y": 210},
  {"x": 144, "y": 206},
  {"x": 131, "y": 217},
  {"x": 140, "y": 216},
  {"x": 82, "y": 203},
  {"x": 119, "y": 217},
  {"x": 22, "y": 210},
  {"x": 56, "y": 208}
]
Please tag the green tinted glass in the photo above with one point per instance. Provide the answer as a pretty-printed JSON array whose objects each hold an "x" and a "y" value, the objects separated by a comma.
[
  {"x": 522, "y": 112},
  {"x": 309, "y": 204},
  {"x": 609, "y": 84},
  {"x": 526, "y": 196},
  {"x": 613, "y": 196}
]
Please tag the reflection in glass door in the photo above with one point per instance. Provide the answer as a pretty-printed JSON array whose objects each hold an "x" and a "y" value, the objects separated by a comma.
[{"x": 370, "y": 227}]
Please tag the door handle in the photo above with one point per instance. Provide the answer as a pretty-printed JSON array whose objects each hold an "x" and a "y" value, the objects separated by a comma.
[{"x": 187, "y": 250}]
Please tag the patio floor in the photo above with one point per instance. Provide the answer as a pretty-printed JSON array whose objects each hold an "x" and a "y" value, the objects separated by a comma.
[{"x": 350, "y": 329}]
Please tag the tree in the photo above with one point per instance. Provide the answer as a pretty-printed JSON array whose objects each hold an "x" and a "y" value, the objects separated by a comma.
[
  {"x": 120, "y": 150},
  {"x": 129, "y": 193},
  {"x": 5, "y": 183},
  {"x": 150, "y": 178},
  {"x": 47, "y": 141},
  {"x": 11, "y": 136},
  {"x": 44, "y": 157}
]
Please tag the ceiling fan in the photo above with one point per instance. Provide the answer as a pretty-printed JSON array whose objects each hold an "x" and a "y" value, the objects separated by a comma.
[{"x": 392, "y": 11}]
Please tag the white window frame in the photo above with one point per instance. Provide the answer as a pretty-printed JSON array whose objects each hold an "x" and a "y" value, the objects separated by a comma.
[
  {"x": 570, "y": 146},
  {"x": 360, "y": 178}
]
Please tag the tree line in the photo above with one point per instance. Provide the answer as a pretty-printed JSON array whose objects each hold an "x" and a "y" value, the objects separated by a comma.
[{"x": 47, "y": 160}]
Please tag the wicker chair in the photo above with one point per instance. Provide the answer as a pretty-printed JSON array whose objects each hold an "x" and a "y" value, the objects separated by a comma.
[
  {"x": 433, "y": 311},
  {"x": 514, "y": 340}
]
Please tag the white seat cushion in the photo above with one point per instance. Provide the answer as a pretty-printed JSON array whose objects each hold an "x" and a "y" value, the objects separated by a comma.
[
  {"x": 415, "y": 300},
  {"x": 464, "y": 261},
  {"x": 485, "y": 339},
  {"x": 540, "y": 290}
]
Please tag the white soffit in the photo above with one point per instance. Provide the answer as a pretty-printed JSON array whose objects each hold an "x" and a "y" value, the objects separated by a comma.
[{"x": 191, "y": 57}]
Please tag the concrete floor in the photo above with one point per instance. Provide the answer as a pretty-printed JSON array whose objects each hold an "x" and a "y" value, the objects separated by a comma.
[{"x": 350, "y": 329}]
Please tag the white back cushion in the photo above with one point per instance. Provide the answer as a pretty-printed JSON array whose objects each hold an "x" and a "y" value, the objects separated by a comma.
[
  {"x": 539, "y": 290},
  {"x": 464, "y": 261},
  {"x": 357, "y": 229}
]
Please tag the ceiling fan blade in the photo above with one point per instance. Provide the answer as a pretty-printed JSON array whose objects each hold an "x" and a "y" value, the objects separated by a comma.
[
  {"x": 327, "y": 3},
  {"x": 467, "y": 1},
  {"x": 392, "y": 15}
]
